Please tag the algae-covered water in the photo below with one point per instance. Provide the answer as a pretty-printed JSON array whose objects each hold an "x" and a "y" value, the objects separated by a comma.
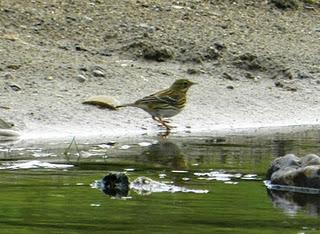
[{"x": 48, "y": 188}]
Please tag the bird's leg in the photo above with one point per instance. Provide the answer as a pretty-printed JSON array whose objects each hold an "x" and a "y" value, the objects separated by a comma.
[
  {"x": 165, "y": 134},
  {"x": 162, "y": 122},
  {"x": 156, "y": 119}
]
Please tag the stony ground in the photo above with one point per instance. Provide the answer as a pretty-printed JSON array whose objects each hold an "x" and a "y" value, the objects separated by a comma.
[{"x": 256, "y": 64}]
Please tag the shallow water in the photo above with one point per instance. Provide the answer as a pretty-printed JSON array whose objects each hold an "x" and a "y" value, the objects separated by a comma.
[{"x": 48, "y": 187}]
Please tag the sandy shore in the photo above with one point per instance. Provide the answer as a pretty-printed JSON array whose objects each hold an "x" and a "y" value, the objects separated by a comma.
[{"x": 257, "y": 66}]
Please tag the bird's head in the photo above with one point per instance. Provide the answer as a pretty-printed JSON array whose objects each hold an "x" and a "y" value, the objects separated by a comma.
[{"x": 182, "y": 85}]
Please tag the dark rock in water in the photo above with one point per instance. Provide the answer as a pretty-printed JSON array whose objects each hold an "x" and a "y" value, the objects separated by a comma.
[
  {"x": 289, "y": 160},
  {"x": 293, "y": 171},
  {"x": 310, "y": 159},
  {"x": 116, "y": 185}
]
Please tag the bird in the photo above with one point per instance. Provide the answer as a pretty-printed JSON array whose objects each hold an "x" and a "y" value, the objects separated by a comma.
[{"x": 165, "y": 103}]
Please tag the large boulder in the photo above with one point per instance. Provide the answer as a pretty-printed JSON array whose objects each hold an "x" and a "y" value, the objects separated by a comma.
[{"x": 293, "y": 171}]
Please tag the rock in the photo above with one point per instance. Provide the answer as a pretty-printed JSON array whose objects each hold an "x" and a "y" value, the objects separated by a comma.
[
  {"x": 79, "y": 47},
  {"x": 14, "y": 87},
  {"x": 14, "y": 66},
  {"x": 150, "y": 51},
  {"x": 290, "y": 88},
  {"x": 219, "y": 45},
  {"x": 193, "y": 71},
  {"x": 304, "y": 75},
  {"x": 227, "y": 76},
  {"x": 293, "y": 171},
  {"x": 230, "y": 87},
  {"x": 158, "y": 54},
  {"x": 288, "y": 160},
  {"x": 310, "y": 159},
  {"x": 84, "y": 69},
  {"x": 250, "y": 61},
  {"x": 212, "y": 53},
  {"x": 110, "y": 35},
  {"x": 279, "y": 84},
  {"x": 8, "y": 76},
  {"x": 81, "y": 78},
  {"x": 148, "y": 28},
  {"x": 116, "y": 184},
  {"x": 286, "y": 87},
  {"x": 249, "y": 76},
  {"x": 49, "y": 78},
  {"x": 105, "y": 52},
  {"x": 286, "y": 4},
  {"x": 98, "y": 72}
]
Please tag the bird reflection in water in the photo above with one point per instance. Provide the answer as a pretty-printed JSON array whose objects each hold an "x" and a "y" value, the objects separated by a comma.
[
  {"x": 165, "y": 153},
  {"x": 292, "y": 202}
]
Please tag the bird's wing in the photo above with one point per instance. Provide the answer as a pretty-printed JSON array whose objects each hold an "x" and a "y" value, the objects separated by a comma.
[{"x": 159, "y": 98}]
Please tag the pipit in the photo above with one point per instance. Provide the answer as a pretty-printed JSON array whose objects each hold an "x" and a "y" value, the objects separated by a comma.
[{"x": 165, "y": 103}]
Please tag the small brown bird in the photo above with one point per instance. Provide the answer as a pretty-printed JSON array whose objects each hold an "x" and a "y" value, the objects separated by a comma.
[{"x": 165, "y": 103}]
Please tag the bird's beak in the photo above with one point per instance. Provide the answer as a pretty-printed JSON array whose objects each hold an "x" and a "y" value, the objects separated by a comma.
[{"x": 192, "y": 83}]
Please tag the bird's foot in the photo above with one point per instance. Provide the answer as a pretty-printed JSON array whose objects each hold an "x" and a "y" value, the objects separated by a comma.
[{"x": 165, "y": 134}]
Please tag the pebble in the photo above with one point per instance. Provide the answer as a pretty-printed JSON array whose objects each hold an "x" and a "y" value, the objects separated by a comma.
[
  {"x": 278, "y": 84},
  {"x": 15, "y": 87},
  {"x": 8, "y": 76},
  {"x": 14, "y": 66},
  {"x": 98, "y": 73},
  {"x": 228, "y": 76},
  {"x": 304, "y": 75},
  {"x": 248, "y": 75},
  {"x": 230, "y": 87},
  {"x": 81, "y": 78},
  {"x": 193, "y": 71}
]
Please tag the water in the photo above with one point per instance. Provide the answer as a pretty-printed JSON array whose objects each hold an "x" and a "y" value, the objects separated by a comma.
[{"x": 48, "y": 188}]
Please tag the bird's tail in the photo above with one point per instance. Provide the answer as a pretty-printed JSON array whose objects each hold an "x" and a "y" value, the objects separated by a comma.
[{"x": 124, "y": 105}]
